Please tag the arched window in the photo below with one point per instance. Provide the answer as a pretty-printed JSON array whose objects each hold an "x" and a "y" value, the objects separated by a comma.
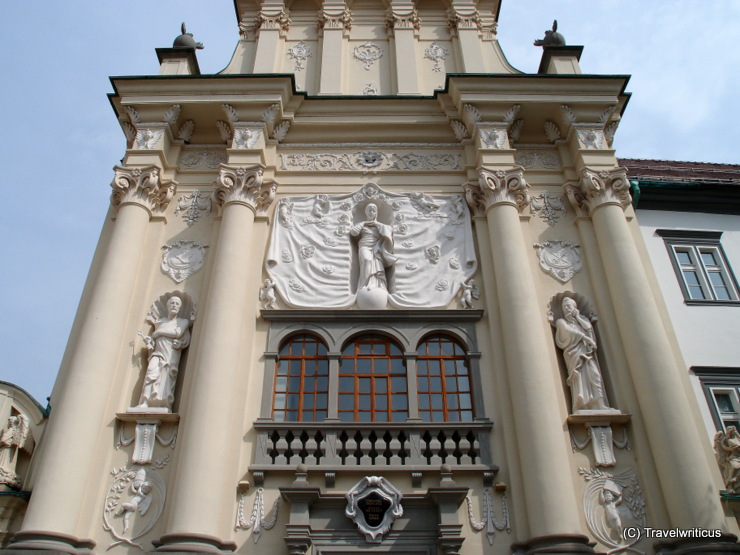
[
  {"x": 372, "y": 381},
  {"x": 443, "y": 381},
  {"x": 301, "y": 381}
]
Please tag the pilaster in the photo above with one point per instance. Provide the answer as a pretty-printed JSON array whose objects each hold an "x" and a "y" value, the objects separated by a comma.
[
  {"x": 403, "y": 25},
  {"x": 334, "y": 24},
  {"x": 271, "y": 24},
  {"x": 466, "y": 27}
]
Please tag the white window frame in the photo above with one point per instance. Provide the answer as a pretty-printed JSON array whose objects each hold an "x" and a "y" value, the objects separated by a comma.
[
  {"x": 695, "y": 244},
  {"x": 718, "y": 381}
]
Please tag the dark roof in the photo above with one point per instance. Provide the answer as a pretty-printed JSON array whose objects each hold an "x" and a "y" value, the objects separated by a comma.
[
  {"x": 684, "y": 186},
  {"x": 669, "y": 171}
]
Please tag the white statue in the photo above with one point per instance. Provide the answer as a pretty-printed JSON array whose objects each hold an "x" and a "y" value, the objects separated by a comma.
[
  {"x": 170, "y": 336},
  {"x": 469, "y": 292},
  {"x": 374, "y": 250},
  {"x": 267, "y": 294},
  {"x": 727, "y": 451},
  {"x": 574, "y": 334},
  {"x": 140, "y": 500},
  {"x": 15, "y": 436}
]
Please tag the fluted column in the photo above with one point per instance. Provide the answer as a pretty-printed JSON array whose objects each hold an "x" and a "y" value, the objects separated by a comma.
[
  {"x": 79, "y": 408},
  {"x": 203, "y": 490},
  {"x": 548, "y": 488},
  {"x": 672, "y": 432}
]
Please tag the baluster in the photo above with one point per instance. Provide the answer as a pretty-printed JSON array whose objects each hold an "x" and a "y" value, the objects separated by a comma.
[
  {"x": 311, "y": 446},
  {"x": 365, "y": 447},
  {"x": 394, "y": 446},
  {"x": 450, "y": 446},
  {"x": 281, "y": 445},
  {"x": 435, "y": 446}
]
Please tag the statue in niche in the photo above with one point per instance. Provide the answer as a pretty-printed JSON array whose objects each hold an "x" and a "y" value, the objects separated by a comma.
[
  {"x": 140, "y": 500},
  {"x": 574, "y": 334},
  {"x": 15, "y": 436},
  {"x": 375, "y": 254},
  {"x": 727, "y": 451},
  {"x": 171, "y": 320}
]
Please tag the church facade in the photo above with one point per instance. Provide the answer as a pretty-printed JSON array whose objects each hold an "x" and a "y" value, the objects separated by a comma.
[{"x": 372, "y": 290}]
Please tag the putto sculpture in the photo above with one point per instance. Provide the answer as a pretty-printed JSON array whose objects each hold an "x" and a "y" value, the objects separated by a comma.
[{"x": 171, "y": 316}]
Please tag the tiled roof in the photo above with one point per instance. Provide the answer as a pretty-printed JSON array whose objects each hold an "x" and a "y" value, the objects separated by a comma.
[{"x": 669, "y": 171}]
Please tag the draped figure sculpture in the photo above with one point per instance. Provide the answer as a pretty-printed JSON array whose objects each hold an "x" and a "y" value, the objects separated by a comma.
[
  {"x": 15, "y": 437},
  {"x": 574, "y": 334},
  {"x": 727, "y": 451},
  {"x": 165, "y": 345},
  {"x": 375, "y": 254}
]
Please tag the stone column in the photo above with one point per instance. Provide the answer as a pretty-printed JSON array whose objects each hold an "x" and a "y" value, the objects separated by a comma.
[
  {"x": 672, "y": 432},
  {"x": 549, "y": 492},
  {"x": 66, "y": 458},
  {"x": 403, "y": 26},
  {"x": 207, "y": 465},
  {"x": 333, "y": 23}
]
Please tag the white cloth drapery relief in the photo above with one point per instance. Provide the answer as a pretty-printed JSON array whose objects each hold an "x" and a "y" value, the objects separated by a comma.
[{"x": 325, "y": 248}]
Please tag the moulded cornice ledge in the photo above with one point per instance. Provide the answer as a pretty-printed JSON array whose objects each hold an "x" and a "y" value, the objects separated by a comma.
[{"x": 424, "y": 315}]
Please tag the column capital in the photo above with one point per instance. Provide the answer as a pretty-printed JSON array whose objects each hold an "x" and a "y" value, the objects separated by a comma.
[
  {"x": 335, "y": 17},
  {"x": 243, "y": 185},
  {"x": 143, "y": 187},
  {"x": 402, "y": 17},
  {"x": 497, "y": 187},
  {"x": 596, "y": 189}
]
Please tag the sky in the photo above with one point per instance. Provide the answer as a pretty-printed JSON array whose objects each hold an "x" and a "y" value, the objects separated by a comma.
[{"x": 59, "y": 138}]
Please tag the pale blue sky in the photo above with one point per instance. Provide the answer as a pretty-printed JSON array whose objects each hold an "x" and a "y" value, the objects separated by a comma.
[{"x": 60, "y": 137}]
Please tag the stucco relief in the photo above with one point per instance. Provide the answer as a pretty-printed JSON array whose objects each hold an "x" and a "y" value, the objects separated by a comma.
[
  {"x": 202, "y": 159},
  {"x": 612, "y": 503},
  {"x": 548, "y": 206},
  {"x": 134, "y": 503},
  {"x": 560, "y": 259},
  {"x": 536, "y": 159},
  {"x": 182, "y": 259},
  {"x": 300, "y": 52},
  {"x": 147, "y": 139},
  {"x": 489, "y": 522},
  {"x": 416, "y": 250},
  {"x": 437, "y": 53},
  {"x": 367, "y": 54},
  {"x": 258, "y": 520}
]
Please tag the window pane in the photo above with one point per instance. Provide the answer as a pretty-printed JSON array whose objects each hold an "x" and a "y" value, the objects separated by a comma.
[
  {"x": 364, "y": 365},
  {"x": 724, "y": 402},
  {"x": 346, "y": 384},
  {"x": 281, "y": 383},
  {"x": 399, "y": 402},
  {"x": 381, "y": 402},
  {"x": 398, "y": 385},
  {"x": 423, "y": 385},
  {"x": 696, "y": 292},
  {"x": 279, "y": 401},
  {"x": 321, "y": 401},
  {"x": 683, "y": 258},
  {"x": 381, "y": 385},
  {"x": 400, "y": 416},
  {"x": 346, "y": 402},
  {"x": 437, "y": 402},
  {"x": 691, "y": 277},
  {"x": 380, "y": 366},
  {"x": 707, "y": 257},
  {"x": 308, "y": 401},
  {"x": 364, "y": 385},
  {"x": 364, "y": 402}
]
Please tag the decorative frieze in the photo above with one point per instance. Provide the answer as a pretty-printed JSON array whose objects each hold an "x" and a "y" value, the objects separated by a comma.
[
  {"x": 194, "y": 159},
  {"x": 597, "y": 189},
  {"x": 497, "y": 187},
  {"x": 560, "y": 259},
  {"x": 367, "y": 54},
  {"x": 143, "y": 187},
  {"x": 371, "y": 161},
  {"x": 243, "y": 185},
  {"x": 537, "y": 159}
]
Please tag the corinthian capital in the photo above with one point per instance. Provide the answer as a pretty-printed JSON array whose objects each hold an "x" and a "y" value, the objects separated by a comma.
[
  {"x": 143, "y": 187},
  {"x": 497, "y": 187},
  {"x": 596, "y": 189},
  {"x": 243, "y": 185}
]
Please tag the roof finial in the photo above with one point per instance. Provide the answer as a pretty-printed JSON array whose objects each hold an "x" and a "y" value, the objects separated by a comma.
[
  {"x": 185, "y": 40},
  {"x": 552, "y": 38}
]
